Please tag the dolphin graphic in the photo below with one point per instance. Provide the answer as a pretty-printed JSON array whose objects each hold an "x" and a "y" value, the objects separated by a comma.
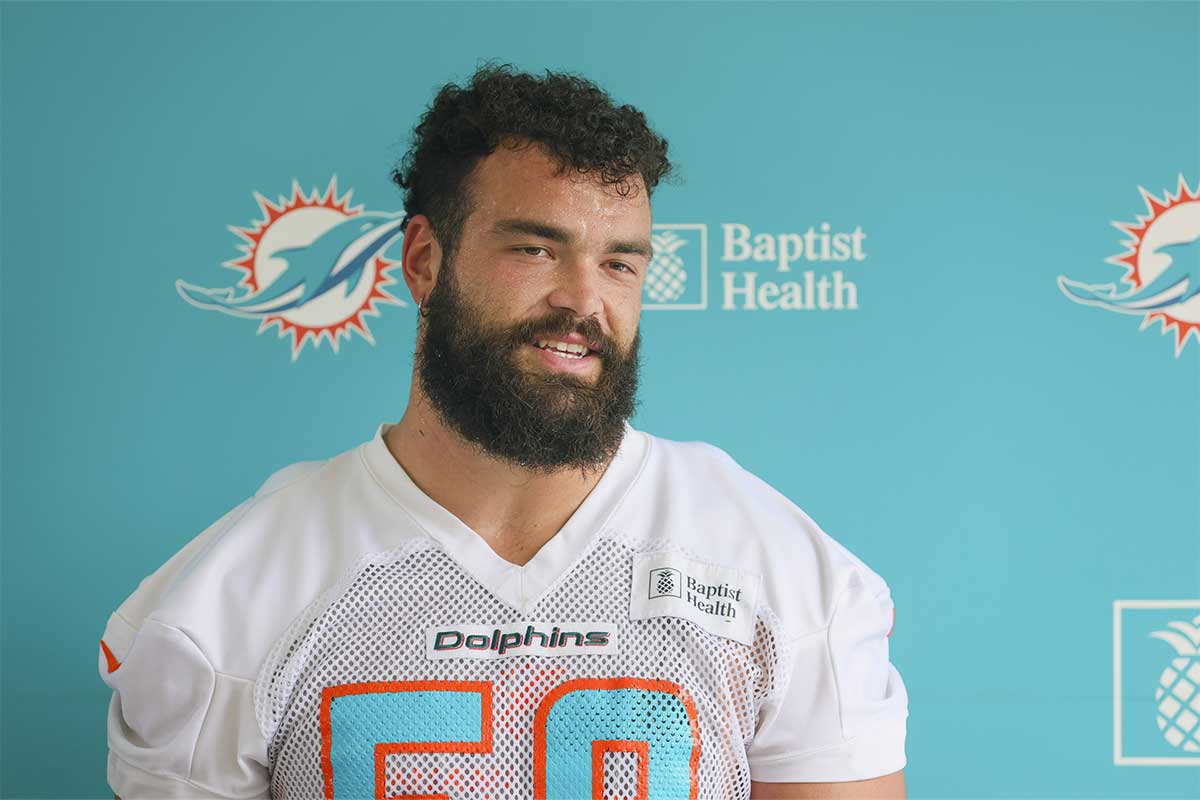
[
  {"x": 312, "y": 269},
  {"x": 1177, "y": 284}
]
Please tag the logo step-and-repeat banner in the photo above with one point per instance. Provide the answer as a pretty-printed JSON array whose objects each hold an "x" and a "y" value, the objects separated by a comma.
[{"x": 313, "y": 267}]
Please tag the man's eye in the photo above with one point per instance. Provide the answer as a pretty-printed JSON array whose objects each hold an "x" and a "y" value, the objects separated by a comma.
[{"x": 533, "y": 250}]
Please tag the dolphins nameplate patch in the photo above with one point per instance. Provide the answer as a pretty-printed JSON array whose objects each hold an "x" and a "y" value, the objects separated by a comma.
[{"x": 520, "y": 639}]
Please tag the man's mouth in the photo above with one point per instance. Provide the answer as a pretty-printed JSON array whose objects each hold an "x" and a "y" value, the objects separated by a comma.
[{"x": 564, "y": 349}]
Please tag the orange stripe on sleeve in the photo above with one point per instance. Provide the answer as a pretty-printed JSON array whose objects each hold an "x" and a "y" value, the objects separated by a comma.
[{"x": 113, "y": 664}]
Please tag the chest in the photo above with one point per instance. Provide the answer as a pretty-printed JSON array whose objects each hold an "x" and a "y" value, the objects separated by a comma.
[{"x": 415, "y": 681}]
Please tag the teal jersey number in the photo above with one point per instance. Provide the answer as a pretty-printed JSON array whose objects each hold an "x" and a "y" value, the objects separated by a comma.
[{"x": 575, "y": 725}]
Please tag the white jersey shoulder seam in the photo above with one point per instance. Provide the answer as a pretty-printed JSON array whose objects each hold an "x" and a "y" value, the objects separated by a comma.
[{"x": 301, "y": 470}]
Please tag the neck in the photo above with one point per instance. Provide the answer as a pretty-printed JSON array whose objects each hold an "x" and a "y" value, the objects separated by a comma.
[{"x": 515, "y": 510}]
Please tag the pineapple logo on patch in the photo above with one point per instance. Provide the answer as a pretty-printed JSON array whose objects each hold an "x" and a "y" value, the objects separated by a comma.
[
  {"x": 677, "y": 278},
  {"x": 1156, "y": 690},
  {"x": 666, "y": 582}
]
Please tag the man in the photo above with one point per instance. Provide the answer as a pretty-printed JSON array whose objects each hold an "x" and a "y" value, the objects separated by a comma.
[{"x": 512, "y": 592}]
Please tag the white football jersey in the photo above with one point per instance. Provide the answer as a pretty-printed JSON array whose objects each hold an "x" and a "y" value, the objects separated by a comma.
[{"x": 341, "y": 635}]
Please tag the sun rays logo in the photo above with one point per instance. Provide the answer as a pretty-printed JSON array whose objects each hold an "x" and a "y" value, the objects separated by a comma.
[
  {"x": 314, "y": 267},
  {"x": 1162, "y": 267}
]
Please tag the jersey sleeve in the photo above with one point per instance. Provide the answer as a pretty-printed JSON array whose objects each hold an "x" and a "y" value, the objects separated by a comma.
[
  {"x": 180, "y": 725},
  {"x": 176, "y": 727},
  {"x": 841, "y": 713}
]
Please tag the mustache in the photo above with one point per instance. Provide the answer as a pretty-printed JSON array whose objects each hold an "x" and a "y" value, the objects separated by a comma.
[{"x": 562, "y": 325}]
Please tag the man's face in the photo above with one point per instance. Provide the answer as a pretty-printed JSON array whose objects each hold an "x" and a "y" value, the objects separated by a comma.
[{"x": 542, "y": 257}]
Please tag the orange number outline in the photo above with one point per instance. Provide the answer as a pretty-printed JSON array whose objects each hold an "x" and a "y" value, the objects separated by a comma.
[
  {"x": 384, "y": 749},
  {"x": 558, "y": 692},
  {"x": 642, "y": 751}
]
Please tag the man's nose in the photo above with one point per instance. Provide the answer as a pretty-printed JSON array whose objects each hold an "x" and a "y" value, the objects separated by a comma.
[{"x": 577, "y": 287}]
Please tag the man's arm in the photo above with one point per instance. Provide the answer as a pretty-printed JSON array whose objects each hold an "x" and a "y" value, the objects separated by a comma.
[{"x": 887, "y": 787}]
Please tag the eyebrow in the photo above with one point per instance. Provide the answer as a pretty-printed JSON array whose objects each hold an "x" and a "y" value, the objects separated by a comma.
[{"x": 563, "y": 236}]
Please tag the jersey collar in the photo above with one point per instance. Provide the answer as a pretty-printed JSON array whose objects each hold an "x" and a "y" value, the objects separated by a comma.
[{"x": 519, "y": 586}]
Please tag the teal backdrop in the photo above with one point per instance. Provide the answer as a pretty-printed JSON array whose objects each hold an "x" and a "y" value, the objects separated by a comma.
[{"x": 1018, "y": 466}]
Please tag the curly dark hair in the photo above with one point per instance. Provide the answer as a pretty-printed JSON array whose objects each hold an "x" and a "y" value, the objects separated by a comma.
[{"x": 573, "y": 119}]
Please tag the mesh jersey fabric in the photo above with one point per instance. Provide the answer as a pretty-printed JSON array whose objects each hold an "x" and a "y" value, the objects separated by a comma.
[{"x": 287, "y": 650}]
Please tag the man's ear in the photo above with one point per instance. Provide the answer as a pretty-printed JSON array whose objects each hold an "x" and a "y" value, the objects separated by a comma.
[{"x": 421, "y": 257}]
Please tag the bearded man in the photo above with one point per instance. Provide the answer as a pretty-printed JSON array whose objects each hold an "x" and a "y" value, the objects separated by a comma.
[{"x": 512, "y": 592}]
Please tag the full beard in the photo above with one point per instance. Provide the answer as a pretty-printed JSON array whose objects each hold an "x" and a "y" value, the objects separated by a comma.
[{"x": 540, "y": 420}]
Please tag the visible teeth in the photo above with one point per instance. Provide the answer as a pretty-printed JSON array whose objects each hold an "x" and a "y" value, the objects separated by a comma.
[{"x": 575, "y": 350}]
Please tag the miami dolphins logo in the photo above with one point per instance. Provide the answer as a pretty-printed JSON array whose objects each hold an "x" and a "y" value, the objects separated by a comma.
[
  {"x": 1162, "y": 267},
  {"x": 313, "y": 266}
]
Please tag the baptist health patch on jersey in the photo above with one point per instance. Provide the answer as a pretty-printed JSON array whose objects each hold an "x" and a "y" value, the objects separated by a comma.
[
  {"x": 721, "y": 600},
  {"x": 520, "y": 639}
]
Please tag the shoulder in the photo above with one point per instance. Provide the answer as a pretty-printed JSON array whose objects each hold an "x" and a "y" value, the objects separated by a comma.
[
  {"x": 281, "y": 478},
  {"x": 235, "y": 586},
  {"x": 696, "y": 497}
]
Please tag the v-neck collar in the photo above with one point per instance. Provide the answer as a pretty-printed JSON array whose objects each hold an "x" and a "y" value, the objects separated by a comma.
[{"x": 519, "y": 586}]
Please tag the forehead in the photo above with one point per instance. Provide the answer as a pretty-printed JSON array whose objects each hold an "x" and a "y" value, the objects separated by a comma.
[{"x": 526, "y": 183}]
